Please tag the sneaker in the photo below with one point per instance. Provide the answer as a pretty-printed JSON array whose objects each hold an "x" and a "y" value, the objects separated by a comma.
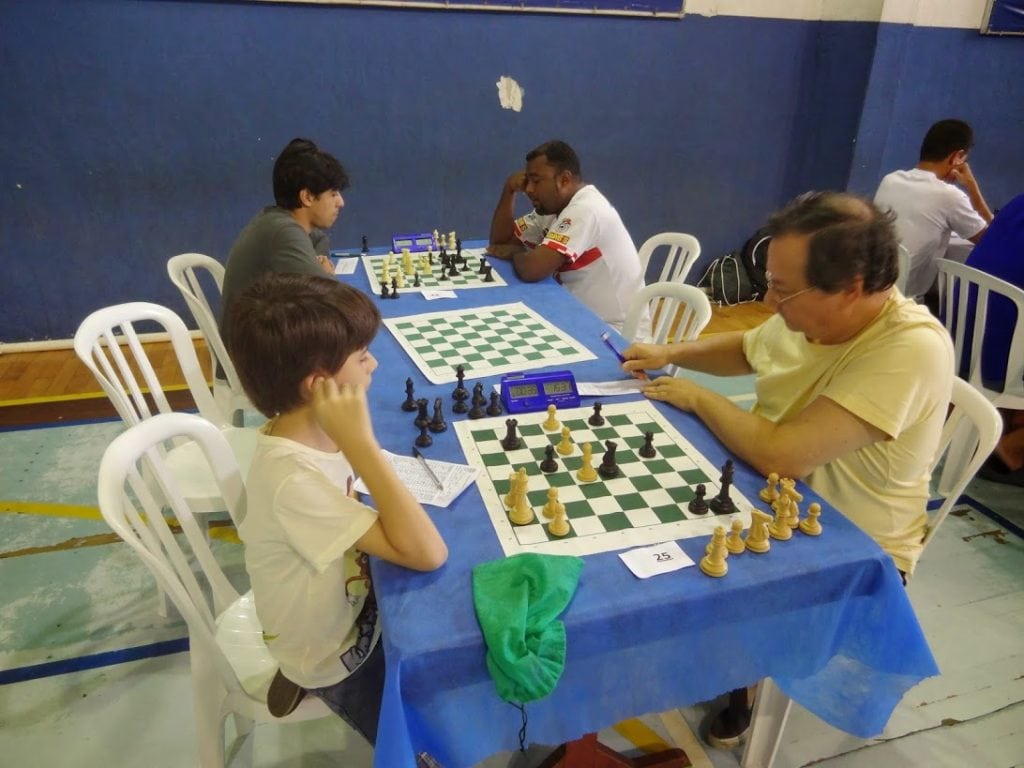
[
  {"x": 283, "y": 696},
  {"x": 728, "y": 729}
]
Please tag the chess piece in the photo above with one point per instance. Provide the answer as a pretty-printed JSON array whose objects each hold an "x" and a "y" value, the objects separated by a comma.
[
  {"x": 520, "y": 513},
  {"x": 488, "y": 277},
  {"x": 779, "y": 528},
  {"x": 453, "y": 269},
  {"x": 551, "y": 508},
  {"x": 596, "y": 419},
  {"x": 510, "y": 497},
  {"x": 560, "y": 525},
  {"x": 734, "y": 542},
  {"x": 495, "y": 409},
  {"x": 394, "y": 287},
  {"x": 477, "y": 411},
  {"x": 713, "y": 564},
  {"x": 771, "y": 491},
  {"x": 483, "y": 266},
  {"x": 697, "y": 504},
  {"x": 722, "y": 504},
  {"x": 410, "y": 402},
  {"x": 437, "y": 424},
  {"x": 416, "y": 279},
  {"x": 551, "y": 423},
  {"x": 757, "y": 540},
  {"x": 564, "y": 446},
  {"x": 424, "y": 440},
  {"x": 587, "y": 473},
  {"x": 789, "y": 489},
  {"x": 511, "y": 441},
  {"x": 810, "y": 524},
  {"x": 400, "y": 278},
  {"x": 366, "y": 248},
  {"x": 647, "y": 450},
  {"x": 460, "y": 392},
  {"x": 422, "y": 419},
  {"x": 384, "y": 293},
  {"x": 609, "y": 469},
  {"x": 550, "y": 464}
]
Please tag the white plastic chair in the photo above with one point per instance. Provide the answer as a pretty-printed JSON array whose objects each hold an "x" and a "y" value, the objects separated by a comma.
[
  {"x": 970, "y": 434},
  {"x": 903, "y": 262},
  {"x": 679, "y": 312},
  {"x": 957, "y": 283},
  {"x": 683, "y": 252},
  {"x": 185, "y": 271},
  {"x": 108, "y": 344},
  {"x": 230, "y": 664}
]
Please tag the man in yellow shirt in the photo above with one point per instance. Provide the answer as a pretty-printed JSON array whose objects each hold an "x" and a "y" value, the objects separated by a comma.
[{"x": 853, "y": 379}]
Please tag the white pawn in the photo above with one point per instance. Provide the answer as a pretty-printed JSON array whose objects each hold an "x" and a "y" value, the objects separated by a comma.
[
  {"x": 733, "y": 542},
  {"x": 551, "y": 423},
  {"x": 713, "y": 563},
  {"x": 564, "y": 446},
  {"x": 401, "y": 279},
  {"x": 587, "y": 473},
  {"x": 810, "y": 524},
  {"x": 560, "y": 525},
  {"x": 771, "y": 491},
  {"x": 554, "y": 505}
]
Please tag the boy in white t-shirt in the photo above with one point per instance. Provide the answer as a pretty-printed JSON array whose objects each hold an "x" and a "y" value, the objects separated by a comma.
[{"x": 300, "y": 345}]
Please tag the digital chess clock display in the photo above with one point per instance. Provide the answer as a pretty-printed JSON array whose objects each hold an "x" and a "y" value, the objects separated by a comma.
[
  {"x": 421, "y": 242},
  {"x": 524, "y": 392}
]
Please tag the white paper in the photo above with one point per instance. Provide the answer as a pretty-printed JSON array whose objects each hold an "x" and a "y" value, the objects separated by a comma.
[
  {"x": 436, "y": 294},
  {"x": 454, "y": 477},
  {"x": 628, "y": 386},
  {"x": 345, "y": 266},
  {"x": 645, "y": 562}
]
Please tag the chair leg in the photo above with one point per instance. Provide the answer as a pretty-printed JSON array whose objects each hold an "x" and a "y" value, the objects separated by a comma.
[
  {"x": 208, "y": 705},
  {"x": 771, "y": 709}
]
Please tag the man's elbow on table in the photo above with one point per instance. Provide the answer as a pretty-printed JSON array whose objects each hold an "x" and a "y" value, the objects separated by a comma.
[{"x": 536, "y": 265}]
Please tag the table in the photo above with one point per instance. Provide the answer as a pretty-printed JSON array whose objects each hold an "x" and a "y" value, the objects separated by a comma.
[{"x": 827, "y": 619}]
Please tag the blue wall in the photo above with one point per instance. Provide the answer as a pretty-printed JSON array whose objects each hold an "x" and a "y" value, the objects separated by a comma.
[{"x": 134, "y": 130}]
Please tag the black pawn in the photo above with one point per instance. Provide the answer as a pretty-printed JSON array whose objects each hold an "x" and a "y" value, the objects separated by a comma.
[
  {"x": 424, "y": 440},
  {"x": 453, "y": 270},
  {"x": 609, "y": 468},
  {"x": 596, "y": 419},
  {"x": 697, "y": 505},
  {"x": 443, "y": 275},
  {"x": 410, "y": 402},
  {"x": 495, "y": 409},
  {"x": 483, "y": 266},
  {"x": 722, "y": 504},
  {"x": 550, "y": 464},
  {"x": 394, "y": 287},
  {"x": 366, "y": 249},
  {"x": 416, "y": 280},
  {"x": 460, "y": 392},
  {"x": 647, "y": 450},
  {"x": 488, "y": 277},
  {"x": 422, "y": 419},
  {"x": 384, "y": 294},
  {"x": 437, "y": 424},
  {"x": 511, "y": 441}
]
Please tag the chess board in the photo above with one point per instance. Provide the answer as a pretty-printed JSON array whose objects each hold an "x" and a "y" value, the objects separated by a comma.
[
  {"x": 470, "y": 278},
  {"x": 646, "y": 505},
  {"x": 487, "y": 341}
]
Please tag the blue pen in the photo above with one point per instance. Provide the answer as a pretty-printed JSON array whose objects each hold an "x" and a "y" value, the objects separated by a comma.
[{"x": 608, "y": 343}]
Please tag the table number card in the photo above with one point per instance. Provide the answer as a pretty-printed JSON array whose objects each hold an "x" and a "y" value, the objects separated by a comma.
[{"x": 657, "y": 558}]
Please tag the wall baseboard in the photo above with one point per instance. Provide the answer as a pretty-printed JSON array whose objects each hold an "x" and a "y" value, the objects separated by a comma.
[{"x": 50, "y": 345}]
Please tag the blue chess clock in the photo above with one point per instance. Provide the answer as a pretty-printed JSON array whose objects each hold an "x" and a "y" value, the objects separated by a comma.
[
  {"x": 524, "y": 392},
  {"x": 419, "y": 242}
]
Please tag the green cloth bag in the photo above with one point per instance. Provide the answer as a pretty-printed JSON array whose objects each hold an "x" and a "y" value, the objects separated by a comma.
[{"x": 518, "y": 600}]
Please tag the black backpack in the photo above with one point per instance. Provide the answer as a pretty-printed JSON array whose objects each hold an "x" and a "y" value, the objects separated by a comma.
[
  {"x": 738, "y": 276},
  {"x": 753, "y": 257}
]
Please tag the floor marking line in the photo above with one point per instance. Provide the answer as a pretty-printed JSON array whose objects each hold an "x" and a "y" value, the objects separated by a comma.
[
  {"x": 92, "y": 661},
  {"x": 79, "y": 511}
]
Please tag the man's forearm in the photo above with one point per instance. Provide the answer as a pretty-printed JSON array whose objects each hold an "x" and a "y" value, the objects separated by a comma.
[
  {"x": 720, "y": 354},
  {"x": 978, "y": 201}
]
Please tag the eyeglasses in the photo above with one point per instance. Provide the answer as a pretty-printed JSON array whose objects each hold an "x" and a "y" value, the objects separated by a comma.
[{"x": 783, "y": 296}]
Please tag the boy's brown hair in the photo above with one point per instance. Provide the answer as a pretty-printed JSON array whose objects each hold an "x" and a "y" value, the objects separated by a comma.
[{"x": 285, "y": 327}]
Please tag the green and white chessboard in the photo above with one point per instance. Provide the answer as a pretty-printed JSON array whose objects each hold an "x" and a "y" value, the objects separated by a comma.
[
  {"x": 471, "y": 278},
  {"x": 646, "y": 505},
  {"x": 486, "y": 341}
]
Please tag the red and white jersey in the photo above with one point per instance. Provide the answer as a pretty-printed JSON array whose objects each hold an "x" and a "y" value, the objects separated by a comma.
[{"x": 601, "y": 267}]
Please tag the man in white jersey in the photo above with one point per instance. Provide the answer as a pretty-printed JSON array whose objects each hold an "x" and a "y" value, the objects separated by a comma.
[
  {"x": 928, "y": 204},
  {"x": 573, "y": 233}
]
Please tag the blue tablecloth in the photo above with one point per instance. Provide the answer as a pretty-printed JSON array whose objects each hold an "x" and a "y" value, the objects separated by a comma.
[{"x": 827, "y": 618}]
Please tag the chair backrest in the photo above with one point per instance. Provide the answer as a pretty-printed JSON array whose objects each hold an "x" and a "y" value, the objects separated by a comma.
[
  {"x": 965, "y": 295},
  {"x": 903, "y": 261},
  {"x": 683, "y": 252},
  {"x": 109, "y": 345},
  {"x": 969, "y": 435},
  {"x": 679, "y": 312},
  {"x": 185, "y": 271},
  {"x": 134, "y": 509}
]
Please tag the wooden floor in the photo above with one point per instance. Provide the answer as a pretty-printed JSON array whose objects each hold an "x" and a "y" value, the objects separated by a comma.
[{"x": 51, "y": 386}]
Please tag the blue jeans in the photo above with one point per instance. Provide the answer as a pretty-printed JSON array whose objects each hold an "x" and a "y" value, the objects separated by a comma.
[{"x": 356, "y": 699}]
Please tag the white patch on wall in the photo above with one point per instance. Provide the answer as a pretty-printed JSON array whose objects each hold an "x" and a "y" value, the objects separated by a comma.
[
  {"x": 510, "y": 94},
  {"x": 962, "y": 14}
]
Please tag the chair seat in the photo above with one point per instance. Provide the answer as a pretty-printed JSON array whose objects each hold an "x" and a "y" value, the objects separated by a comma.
[{"x": 192, "y": 472}]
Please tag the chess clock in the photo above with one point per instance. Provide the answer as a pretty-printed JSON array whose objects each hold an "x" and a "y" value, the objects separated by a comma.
[
  {"x": 524, "y": 392},
  {"x": 422, "y": 242}
]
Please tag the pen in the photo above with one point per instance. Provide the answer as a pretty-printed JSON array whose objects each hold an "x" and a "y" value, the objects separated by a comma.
[
  {"x": 608, "y": 343},
  {"x": 418, "y": 455}
]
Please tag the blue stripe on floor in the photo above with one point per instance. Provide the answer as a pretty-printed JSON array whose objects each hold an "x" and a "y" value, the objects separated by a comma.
[{"x": 93, "y": 661}]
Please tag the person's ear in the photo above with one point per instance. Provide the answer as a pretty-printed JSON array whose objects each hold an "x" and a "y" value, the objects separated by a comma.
[
  {"x": 306, "y": 197},
  {"x": 306, "y": 385}
]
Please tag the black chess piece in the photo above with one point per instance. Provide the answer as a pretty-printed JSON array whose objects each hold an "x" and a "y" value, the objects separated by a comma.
[
  {"x": 458, "y": 246},
  {"x": 647, "y": 450},
  {"x": 479, "y": 401},
  {"x": 453, "y": 269},
  {"x": 422, "y": 419},
  {"x": 410, "y": 402},
  {"x": 460, "y": 392},
  {"x": 596, "y": 419},
  {"x": 697, "y": 504},
  {"x": 437, "y": 424},
  {"x": 424, "y": 440},
  {"x": 366, "y": 249},
  {"x": 608, "y": 468},
  {"x": 416, "y": 280},
  {"x": 550, "y": 464},
  {"x": 495, "y": 409},
  {"x": 443, "y": 274},
  {"x": 483, "y": 266},
  {"x": 488, "y": 277},
  {"x": 394, "y": 287},
  {"x": 384, "y": 294},
  {"x": 722, "y": 504},
  {"x": 511, "y": 441}
]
